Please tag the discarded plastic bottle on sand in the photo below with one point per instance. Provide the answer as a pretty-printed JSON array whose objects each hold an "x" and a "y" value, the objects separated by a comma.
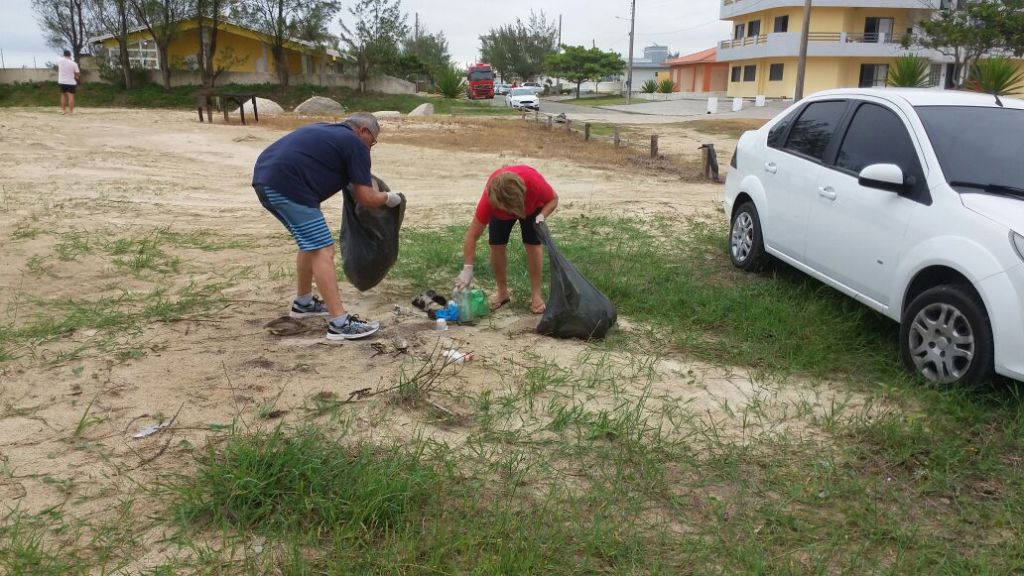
[{"x": 461, "y": 298}]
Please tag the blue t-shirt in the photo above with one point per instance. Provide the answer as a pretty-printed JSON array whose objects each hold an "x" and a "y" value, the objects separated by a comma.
[{"x": 313, "y": 163}]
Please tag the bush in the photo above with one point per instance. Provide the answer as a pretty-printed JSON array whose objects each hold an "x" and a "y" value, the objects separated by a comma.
[
  {"x": 666, "y": 86},
  {"x": 998, "y": 76},
  {"x": 909, "y": 71},
  {"x": 449, "y": 82},
  {"x": 649, "y": 87}
]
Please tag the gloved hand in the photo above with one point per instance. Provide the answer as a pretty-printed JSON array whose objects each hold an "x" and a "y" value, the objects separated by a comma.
[
  {"x": 540, "y": 218},
  {"x": 465, "y": 278},
  {"x": 394, "y": 199}
]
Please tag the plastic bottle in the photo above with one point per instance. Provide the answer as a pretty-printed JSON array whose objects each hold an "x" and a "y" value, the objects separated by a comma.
[
  {"x": 455, "y": 357},
  {"x": 465, "y": 306}
]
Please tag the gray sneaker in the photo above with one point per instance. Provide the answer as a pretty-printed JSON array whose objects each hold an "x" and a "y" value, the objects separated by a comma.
[
  {"x": 352, "y": 329},
  {"x": 314, "y": 308}
]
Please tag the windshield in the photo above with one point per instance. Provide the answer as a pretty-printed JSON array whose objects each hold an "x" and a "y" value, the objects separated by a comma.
[
  {"x": 983, "y": 146},
  {"x": 483, "y": 74},
  {"x": 522, "y": 92}
]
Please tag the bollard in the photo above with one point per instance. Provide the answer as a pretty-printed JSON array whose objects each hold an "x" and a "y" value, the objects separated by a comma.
[
  {"x": 586, "y": 131},
  {"x": 654, "y": 145}
]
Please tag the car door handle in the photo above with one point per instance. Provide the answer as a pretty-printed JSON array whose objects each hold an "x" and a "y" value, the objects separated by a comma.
[
  {"x": 827, "y": 192},
  {"x": 770, "y": 167}
]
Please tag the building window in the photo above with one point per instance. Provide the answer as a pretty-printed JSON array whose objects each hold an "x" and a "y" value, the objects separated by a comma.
[
  {"x": 872, "y": 75},
  {"x": 739, "y": 32},
  {"x": 735, "y": 73},
  {"x": 878, "y": 29},
  {"x": 782, "y": 23},
  {"x": 750, "y": 73},
  {"x": 753, "y": 28},
  {"x": 143, "y": 54},
  {"x": 775, "y": 72},
  {"x": 935, "y": 75}
]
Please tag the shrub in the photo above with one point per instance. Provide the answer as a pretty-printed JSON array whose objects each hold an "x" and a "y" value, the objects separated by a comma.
[
  {"x": 666, "y": 86},
  {"x": 909, "y": 71},
  {"x": 649, "y": 87},
  {"x": 449, "y": 82},
  {"x": 998, "y": 76}
]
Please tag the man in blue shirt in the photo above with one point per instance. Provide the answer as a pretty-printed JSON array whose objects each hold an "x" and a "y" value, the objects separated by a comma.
[{"x": 291, "y": 178}]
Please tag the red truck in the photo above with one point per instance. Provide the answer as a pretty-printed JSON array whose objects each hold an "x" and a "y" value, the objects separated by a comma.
[{"x": 481, "y": 81}]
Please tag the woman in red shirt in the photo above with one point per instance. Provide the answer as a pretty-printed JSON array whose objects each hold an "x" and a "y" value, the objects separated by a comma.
[{"x": 512, "y": 193}]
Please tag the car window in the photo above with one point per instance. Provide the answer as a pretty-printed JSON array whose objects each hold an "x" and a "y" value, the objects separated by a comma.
[
  {"x": 877, "y": 136},
  {"x": 522, "y": 92},
  {"x": 778, "y": 132},
  {"x": 813, "y": 130}
]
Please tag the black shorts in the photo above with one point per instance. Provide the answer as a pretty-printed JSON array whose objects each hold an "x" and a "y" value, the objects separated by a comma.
[
  {"x": 498, "y": 231},
  {"x": 67, "y": 88}
]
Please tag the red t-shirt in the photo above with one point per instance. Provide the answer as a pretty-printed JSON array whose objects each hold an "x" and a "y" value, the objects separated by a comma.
[{"x": 538, "y": 193}]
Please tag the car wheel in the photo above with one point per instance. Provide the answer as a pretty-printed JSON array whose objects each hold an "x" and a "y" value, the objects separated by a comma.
[
  {"x": 946, "y": 337},
  {"x": 746, "y": 246}
]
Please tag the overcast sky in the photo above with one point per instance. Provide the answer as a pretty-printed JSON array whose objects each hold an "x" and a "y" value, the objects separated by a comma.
[{"x": 684, "y": 25}]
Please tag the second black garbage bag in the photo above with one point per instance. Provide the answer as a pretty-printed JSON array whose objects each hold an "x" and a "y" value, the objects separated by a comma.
[
  {"x": 575, "y": 307},
  {"x": 369, "y": 238}
]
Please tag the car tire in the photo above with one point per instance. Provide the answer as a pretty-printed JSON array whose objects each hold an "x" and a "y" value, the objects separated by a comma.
[
  {"x": 946, "y": 337},
  {"x": 746, "y": 245}
]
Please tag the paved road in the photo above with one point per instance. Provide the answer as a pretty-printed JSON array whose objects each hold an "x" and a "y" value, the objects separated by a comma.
[{"x": 666, "y": 112}]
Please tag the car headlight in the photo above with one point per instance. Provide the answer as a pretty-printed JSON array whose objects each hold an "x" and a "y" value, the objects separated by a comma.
[{"x": 1018, "y": 243}]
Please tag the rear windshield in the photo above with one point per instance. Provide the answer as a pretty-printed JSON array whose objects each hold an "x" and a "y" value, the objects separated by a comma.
[{"x": 984, "y": 145}]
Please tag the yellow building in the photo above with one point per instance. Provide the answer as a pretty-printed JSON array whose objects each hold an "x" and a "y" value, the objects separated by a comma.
[
  {"x": 239, "y": 50},
  {"x": 851, "y": 44}
]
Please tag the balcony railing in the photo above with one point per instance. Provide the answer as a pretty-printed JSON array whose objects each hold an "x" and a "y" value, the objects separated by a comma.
[{"x": 829, "y": 37}]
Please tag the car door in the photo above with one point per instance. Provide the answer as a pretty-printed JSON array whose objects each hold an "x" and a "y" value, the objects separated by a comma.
[
  {"x": 855, "y": 232},
  {"x": 792, "y": 167}
]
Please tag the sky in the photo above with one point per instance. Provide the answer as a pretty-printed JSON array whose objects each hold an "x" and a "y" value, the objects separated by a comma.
[{"x": 685, "y": 26}]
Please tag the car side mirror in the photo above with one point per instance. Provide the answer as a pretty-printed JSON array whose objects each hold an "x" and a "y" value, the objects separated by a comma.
[{"x": 884, "y": 177}]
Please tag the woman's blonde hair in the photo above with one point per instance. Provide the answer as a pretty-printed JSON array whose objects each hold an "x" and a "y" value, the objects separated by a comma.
[{"x": 507, "y": 192}]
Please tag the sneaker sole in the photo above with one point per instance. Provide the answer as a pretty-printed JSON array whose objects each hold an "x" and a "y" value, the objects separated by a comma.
[
  {"x": 331, "y": 336},
  {"x": 295, "y": 314}
]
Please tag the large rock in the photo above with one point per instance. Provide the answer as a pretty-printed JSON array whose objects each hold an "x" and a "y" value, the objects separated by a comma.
[
  {"x": 264, "y": 107},
  {"x": 387, "y": 114},
  {"x": 320, "y": 106},
  {"x": 425, "y": 109}
]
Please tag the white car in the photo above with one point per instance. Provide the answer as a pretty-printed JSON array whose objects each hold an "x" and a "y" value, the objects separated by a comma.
[
  {"x": 535, "y": 86},
  {"x": 522, "y": 98},
  {"x": 911, "y": 202}
]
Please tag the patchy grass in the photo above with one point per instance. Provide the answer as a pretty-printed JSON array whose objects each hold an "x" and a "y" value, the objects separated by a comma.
[
  {"x": 597, "y": 101},
  {"x": 731, "y": 128}
]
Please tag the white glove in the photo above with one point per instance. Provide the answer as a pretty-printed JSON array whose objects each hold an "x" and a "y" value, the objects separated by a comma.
[
  {"x": 394, "y": 199},
  {"x": 540, "y": 218},
  {"x": 465, "y": 278}
]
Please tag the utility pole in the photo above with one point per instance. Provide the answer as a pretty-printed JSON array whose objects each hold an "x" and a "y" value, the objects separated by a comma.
[
  {"x": 632, "y": 29},
  {"x": 416, "y": 29},
  {"x": 801, "y": 67},
  {"x": 559, "y": 31},
  {"x": 2, "y": 63}
]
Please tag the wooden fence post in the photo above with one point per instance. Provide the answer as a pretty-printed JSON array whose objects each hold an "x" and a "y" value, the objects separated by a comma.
[
  {"x": 615, "y": 137},
  {"x": 586, "y": 131},
  {"x": 654, "y": 145},
  {"x": 549, "y": 122}
]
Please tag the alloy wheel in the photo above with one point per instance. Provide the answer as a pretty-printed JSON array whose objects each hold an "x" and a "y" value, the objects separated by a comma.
[
  {"x": 742, "y": 236},
  {"x": 941, "y": 343}
]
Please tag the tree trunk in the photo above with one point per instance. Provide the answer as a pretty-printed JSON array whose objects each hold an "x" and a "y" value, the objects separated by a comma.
[
  {"x": 165, "y": 66},
  {"x": 126, "y": 66},
  {"x": 578, "y": 89}
]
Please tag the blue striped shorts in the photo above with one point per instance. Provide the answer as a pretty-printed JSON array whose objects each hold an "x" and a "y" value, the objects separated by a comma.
[{"x": 306, "y": 224}]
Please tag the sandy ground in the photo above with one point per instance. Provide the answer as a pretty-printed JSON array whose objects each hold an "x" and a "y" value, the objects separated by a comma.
[{"x": 67, "y": 420}]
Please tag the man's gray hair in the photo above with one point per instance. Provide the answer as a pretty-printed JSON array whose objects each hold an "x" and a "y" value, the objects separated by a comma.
[{"x": 364, "y": 120}]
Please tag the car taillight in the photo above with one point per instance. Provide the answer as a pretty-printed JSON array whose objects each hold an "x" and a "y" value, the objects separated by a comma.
[{"x": 733, "y": 161}]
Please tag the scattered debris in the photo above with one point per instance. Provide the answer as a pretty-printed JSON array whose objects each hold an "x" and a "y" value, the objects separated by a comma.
[
  {"x": 273, "y": 414},
  {"x": 288, "y": 326},
  {"x": 152, "y": 429}
]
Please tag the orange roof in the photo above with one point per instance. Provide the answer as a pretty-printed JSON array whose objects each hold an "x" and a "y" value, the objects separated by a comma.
[{"x": 702, "y": 57}]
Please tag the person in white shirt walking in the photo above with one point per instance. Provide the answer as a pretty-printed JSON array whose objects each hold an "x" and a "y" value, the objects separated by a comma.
[{"x": 68, "y": 76}]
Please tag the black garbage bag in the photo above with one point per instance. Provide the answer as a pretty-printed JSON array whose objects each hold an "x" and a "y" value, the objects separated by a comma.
[
  {"x": 575, "y": 308},
  {"x": 369, "y": 238}
]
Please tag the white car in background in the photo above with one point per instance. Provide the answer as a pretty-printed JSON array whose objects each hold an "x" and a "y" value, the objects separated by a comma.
[
  {"x": 535, "y": 86},
  {"x": 522, "y": 98},
  {"x": 909, "y": 201}
]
